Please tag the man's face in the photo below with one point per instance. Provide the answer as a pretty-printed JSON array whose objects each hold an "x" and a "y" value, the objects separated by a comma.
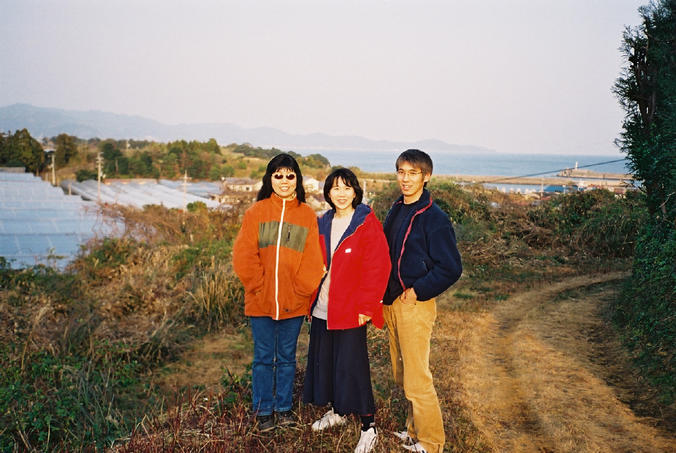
[{"x": 411, "y": 181}]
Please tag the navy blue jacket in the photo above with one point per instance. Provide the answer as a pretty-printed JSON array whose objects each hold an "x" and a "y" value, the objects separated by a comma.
[{"x": 424, "y": 253}]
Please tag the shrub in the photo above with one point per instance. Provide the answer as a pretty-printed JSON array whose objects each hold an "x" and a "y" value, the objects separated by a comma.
[
  {"x": 84, "y": 175},
  {"x": 593, "y": 222},
  {"x": 217, "y": 295},
  {"x": 196, "y": 206},
  {"x": 48, "y": 402},
  {"x": 610, "y": 228},
  {"x": 461, "y": 205},
  {"x": 647, "y": 306}
]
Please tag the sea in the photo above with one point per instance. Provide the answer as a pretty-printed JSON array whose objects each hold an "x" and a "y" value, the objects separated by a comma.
[
  {"x": 486, "y": 164},
  {"x": 473, "y": 163}
]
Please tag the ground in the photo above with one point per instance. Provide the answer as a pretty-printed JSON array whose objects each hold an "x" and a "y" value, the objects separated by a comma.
[{"x": 540, "y": 371}]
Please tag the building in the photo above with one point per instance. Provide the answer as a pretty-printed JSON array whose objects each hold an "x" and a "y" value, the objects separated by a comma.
[
  {"x": 312, "y": 185},
  {"x": 241, "y": 185}
]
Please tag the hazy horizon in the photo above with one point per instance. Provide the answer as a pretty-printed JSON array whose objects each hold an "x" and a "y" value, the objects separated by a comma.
[{"x": 515, "y": 76}]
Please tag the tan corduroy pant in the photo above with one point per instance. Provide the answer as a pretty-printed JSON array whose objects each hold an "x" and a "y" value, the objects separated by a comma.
[{"x": 410, "y": 329}]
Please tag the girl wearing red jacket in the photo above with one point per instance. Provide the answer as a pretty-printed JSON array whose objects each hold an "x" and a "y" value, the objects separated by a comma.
[
  {"x": 278, "y": 258},
  {"x": 357, "y": 259}
]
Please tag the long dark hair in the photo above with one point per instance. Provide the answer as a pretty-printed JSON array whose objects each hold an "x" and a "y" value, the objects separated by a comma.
[
  {"x": 350, "y": 180},
  {"x": 281, "y": 161}
]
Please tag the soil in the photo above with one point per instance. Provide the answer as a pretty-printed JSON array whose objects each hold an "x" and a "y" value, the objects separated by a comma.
[
  {"x": 544, "y": 371},
  {"x": 540, "y": 371}
]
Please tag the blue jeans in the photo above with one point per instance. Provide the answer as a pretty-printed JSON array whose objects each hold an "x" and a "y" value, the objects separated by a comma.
[{"x": 274, "y": 363}]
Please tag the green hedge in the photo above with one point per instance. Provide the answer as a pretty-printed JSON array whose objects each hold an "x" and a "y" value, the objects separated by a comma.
[{"x": 647, "y": 308}]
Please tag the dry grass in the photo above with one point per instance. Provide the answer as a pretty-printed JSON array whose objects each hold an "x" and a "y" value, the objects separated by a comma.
[
  {"x": 202, "y": 420},
  {"x": 538, "y": 372},
  {"x": 204, "y": 364},
  {"x": 529, "y": 383},
  {"x": 514, "y": 371}
]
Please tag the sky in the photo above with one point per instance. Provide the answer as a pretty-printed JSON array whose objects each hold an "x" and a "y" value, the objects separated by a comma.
[{"x": 515, "y": 76}]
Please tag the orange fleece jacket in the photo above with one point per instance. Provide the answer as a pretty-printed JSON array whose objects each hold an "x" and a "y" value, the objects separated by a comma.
[{"x": 277, "y": 257}]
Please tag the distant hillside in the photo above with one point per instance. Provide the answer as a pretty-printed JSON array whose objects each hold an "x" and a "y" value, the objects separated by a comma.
[{"x": 49, "y": 122}]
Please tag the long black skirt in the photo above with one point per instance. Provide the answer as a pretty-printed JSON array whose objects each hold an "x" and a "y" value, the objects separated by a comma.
[{"x": 338, "y": 370}]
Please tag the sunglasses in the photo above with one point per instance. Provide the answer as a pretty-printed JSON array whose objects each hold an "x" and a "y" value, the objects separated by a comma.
[{"x": 290, "y": 176}]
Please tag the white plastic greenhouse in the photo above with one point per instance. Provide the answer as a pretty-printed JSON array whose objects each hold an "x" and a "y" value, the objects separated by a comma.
[
  {"x": 39, "y": 224},
  {"x": 169, "y": 194}
]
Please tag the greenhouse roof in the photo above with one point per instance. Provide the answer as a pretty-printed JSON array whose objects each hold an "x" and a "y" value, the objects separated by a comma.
[
  {"x": 142, "y": 193},
  {"x": 39, "y": 224}
]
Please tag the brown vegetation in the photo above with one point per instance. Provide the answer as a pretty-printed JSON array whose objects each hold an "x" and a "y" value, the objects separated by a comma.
[
  {"x": 161, "y": 304},
  {"x": 536, "y": 377},
  {"x": 528, "y": 374}
]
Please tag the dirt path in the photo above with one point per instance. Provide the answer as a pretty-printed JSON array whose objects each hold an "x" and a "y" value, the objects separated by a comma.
[{"x": 542, "y": 372}]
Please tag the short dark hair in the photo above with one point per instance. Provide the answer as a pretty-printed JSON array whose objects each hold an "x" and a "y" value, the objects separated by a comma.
[
  {"x": 418, "y": 159},
  {"x": 282, "y": 160},
  {"x": 350, "y": 180}
]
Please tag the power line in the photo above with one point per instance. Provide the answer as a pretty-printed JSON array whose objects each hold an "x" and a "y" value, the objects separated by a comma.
[{"x": 507, "y": 178}]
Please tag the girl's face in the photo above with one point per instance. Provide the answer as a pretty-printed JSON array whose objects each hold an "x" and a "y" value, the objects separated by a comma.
[
  {"x": 341, "y": 195},
  {"x": 284, "y": 183}
]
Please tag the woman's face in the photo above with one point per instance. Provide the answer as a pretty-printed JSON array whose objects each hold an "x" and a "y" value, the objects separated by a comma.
[
  {"x": 341, "y": 195},
  {"x": 284, "y": 183}
]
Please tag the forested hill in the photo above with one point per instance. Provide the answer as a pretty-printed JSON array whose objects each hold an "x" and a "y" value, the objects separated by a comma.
[{"x": 50, "y": 122}]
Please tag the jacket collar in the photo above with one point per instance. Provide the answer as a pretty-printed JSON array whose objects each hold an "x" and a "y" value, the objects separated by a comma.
[
  {"x": 279, "y": 201},
  {"x": 359, "y": 216},
  {"x": 423, "y": 201}
]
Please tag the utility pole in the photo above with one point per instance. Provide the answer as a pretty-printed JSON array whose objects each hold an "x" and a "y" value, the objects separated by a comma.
[
  {"x": 53, "y": 170},
  {"x": 185, "y": 188},
  {"x": 98, "y": 186}
]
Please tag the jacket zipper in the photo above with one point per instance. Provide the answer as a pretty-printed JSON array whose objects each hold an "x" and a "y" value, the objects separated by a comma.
[
  {"x": 279, "y": 242},
  {"x": 403, "y": 243},
  {"x": 334, "y": 254}
]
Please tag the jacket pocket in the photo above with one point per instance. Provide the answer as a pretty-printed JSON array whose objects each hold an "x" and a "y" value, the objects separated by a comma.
[{"x": 253, "y": 302}]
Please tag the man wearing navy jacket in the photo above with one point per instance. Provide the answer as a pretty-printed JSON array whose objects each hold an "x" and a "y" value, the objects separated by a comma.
[{"x": 425, "y": 262}]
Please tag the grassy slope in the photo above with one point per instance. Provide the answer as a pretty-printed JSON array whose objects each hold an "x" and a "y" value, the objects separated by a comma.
[{"x": 150, "y": 322}]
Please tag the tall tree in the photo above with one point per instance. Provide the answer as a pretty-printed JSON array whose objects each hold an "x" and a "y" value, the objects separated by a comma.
[
  {"x": 23, "y": 149},
  {"x": 647, "y": 91},
  {"x": 66, "y": 149},
  {"x": 4, "y": 150},
  {"x": 114, "y": 163}
]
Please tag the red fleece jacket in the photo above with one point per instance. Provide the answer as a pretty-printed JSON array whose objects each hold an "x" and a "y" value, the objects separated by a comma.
[{"x": 360, "y": 268}]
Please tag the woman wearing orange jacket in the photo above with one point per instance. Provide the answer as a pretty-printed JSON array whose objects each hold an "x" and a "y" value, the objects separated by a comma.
[{"x": 277, "y": 257}]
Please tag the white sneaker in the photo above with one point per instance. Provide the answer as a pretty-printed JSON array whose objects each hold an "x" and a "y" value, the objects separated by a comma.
[
  {"x": 328, "y": 420},
  {"x": 403, "y": 436},
  {"x": 367, "y": 441},
  {"x": 415, "y": 447}
]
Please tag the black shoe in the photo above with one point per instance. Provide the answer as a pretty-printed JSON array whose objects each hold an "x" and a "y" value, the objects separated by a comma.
[
  {"x": 265, "y": 423},
  {"x": 286, "y": 418}
]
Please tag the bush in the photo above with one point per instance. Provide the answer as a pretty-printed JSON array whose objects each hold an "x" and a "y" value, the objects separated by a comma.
[
  {"x": 647, "y": 306},
  {"x": 196, "y": 206},
  {"x": 218, "y": 296},
  {"x": 594, "y": 222},
  {"x": 76, "y": 345},
  {"x": 460, "y": 205},
  {"x": 610, "y": 228},
  {"x": 51, "y": 401},
  {"x": 84, "y": 175}
]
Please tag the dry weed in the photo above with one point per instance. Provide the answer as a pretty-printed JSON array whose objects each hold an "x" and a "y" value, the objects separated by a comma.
[{"x": 529, "y": 386}]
